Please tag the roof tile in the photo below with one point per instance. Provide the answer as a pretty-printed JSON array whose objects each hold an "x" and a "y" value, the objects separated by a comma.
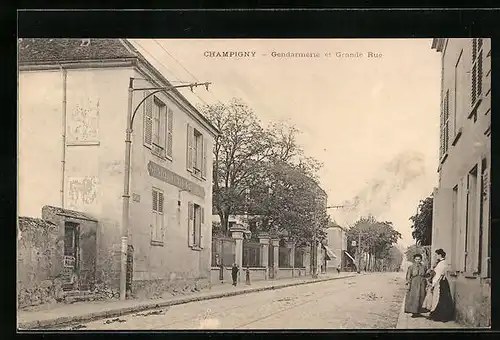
[{"x": 62, "y": 49}]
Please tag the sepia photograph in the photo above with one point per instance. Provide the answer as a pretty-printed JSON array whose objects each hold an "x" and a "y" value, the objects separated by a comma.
[{"x": 253, "y": 184}]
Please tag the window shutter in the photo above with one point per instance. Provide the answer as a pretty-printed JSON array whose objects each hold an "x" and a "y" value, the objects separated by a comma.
[
  {"x": 190, "y": 223},
  {"x": 202, "y": 226},
  {"x": 189, "y": 156},
  {"x": 155, "y": 200},
  {"x": 161, "y": 231},
  {"x": 447, "y": 121},
  {"x": 170, "y": 121},
  {"x": 148, "y": 120},
  {"x": 463, "y": 221},
  {"x": 204, "y": 160},
  {"x": 154, "y": 215},
  {"x": 162, "y": 140},
  {"x": 441, "y": 131},
  {"x": 480, "y": 74}
]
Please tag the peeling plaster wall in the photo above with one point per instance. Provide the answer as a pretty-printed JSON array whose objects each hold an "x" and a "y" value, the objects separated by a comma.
[
  {"x": 95, "y": 128},
  {"x": 39, "y": 252},
  {"x": 96, "y": 122},
  {"x": 40, "y": 142}
]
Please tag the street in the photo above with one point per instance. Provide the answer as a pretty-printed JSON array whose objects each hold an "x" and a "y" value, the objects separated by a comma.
[{"x": 361, "y": 302}]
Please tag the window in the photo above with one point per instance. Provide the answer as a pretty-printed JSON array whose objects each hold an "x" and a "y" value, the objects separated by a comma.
[
  {"x": 157, "y": 228},
  {"x": 196, "y": 220},
  {"x": 445, "y": 124},
  {"x": 476, "y": 73},
  {"x": 472, "y": 242},
  {"x": 455, "y": 230},
  {"x": 158, "y": 127},
  {"x": 158, "y": 119},
  {"x": 196, "y": 153},
  {"x": 484, "y": 221}
]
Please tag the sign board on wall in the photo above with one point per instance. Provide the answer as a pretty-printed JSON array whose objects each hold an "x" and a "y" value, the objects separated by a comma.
[{"x": 167, "y": 176}]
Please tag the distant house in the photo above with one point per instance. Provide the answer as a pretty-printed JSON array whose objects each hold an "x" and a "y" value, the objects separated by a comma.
[
  {"x": 73, "y": 96},
  {"x": 462, "y": 200},
  {"x": 337, "y": 242}
]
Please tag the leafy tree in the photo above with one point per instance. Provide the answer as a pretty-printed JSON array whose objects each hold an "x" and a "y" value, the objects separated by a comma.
[
  {"x": 289, "y": 202},
  {"x": 417, "y": 249},
  {"x": 377, "y": 237},
  {"x": 395, "y": 259},
  {"x": 422, "y": 222},
  {"x": 238, "y": 151},
  {"x": 251, "y": 162}
]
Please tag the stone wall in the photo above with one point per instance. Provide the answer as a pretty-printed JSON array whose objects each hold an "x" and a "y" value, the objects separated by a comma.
[
  {"x": 473, "y": 302},
  {"x": 39, "y": 252},
  {"x": 163, "y": 288}
]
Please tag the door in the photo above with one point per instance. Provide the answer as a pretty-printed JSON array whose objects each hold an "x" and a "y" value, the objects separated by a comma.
[{"x": 71, "y": 255}]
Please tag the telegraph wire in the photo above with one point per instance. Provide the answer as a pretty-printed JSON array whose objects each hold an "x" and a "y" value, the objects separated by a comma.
[{"x": 192, "y": 75}]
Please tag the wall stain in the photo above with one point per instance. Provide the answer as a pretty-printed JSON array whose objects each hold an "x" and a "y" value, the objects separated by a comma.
[
  {"x": 82, "y": 190},
  {"x": 84, "y": 123}
]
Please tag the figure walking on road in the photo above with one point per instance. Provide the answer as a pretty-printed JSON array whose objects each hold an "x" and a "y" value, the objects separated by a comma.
[
  {"x": 234, "y": 273},
  {"x": 442, "y": 303},
  {"x": 415, "y": 280}
]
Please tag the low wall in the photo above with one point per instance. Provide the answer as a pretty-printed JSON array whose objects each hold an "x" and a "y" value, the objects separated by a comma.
[
  {"x": 39, "y": 252},
  {"x": 288, "y": 273},
  {"x": 256, "y": 274},
  {"x": 166, "y": 287},
  {"x": 472, "y": 298}
]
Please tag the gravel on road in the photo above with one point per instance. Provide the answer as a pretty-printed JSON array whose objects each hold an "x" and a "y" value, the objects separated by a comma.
[{"x": 371, "y": 301}]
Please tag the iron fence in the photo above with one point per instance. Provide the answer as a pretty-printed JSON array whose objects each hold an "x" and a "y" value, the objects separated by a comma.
[
  {"x": 251, "y": 254},
  {"x": 223, "y": 251}
]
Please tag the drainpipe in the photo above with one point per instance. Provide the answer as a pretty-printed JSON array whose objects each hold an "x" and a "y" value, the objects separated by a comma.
[{"x": 63, "y": 134}]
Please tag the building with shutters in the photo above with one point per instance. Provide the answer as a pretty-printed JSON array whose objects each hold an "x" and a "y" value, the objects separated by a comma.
[
  {"x": 73, "y": 96},
  {"x": 461, "y": 221}
]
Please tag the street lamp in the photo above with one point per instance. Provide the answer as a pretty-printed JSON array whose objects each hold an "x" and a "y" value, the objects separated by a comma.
[{"x": 126, "y": 183}]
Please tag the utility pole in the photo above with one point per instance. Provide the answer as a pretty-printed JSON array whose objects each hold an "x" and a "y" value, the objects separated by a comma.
[{"x": 126, "y": 181}]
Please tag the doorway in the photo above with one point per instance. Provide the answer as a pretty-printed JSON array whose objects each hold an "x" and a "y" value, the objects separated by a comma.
[{"x": 71, "y": 255}]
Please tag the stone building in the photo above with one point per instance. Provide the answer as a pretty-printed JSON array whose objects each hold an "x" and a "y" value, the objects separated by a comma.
[
  {"x": 73, "y": 100},
  {"x": 461, "y": 221}
]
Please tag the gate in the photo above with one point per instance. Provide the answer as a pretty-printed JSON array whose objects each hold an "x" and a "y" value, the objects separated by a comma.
[
  {"x": 251, "y": 253},
  {"x": 225, "y": 247}
]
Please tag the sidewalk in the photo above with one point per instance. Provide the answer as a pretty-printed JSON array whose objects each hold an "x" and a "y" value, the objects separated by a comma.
[
  {"x": 405, "y": 321},
  {"x": 79, "y": 312}
]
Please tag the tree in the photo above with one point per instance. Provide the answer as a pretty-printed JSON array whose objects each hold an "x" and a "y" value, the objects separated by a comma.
[
  {"x": 422, "y": 222},
  {"x": 238, "y": 150},
  {"x": 377, "y": 237},
  {"x": 249, "y": 160},
  {"x": 289, "y": 202},
  {"x": 395, "y": 259}
]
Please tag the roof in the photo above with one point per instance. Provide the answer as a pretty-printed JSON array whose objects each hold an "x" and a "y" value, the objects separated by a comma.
[
  {"x": 334, "y": 224},
  {"x": 438, "y": 44},
  {"x": 27, "y": 222},
  {"x": 62, "y": 49},
  {"x": 69, "y": 213}
]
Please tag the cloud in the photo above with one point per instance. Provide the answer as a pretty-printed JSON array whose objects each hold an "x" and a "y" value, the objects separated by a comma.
[{"x": 391, "y": 180}]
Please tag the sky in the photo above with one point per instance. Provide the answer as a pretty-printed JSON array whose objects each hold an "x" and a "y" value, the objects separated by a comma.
[{"x": 372, "y": 121}]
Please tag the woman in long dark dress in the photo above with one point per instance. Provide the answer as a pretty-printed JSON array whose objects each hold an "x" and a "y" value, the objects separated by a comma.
[
  {"x": 443, "y": 308},
  {"x": 415, "y": 279}
]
